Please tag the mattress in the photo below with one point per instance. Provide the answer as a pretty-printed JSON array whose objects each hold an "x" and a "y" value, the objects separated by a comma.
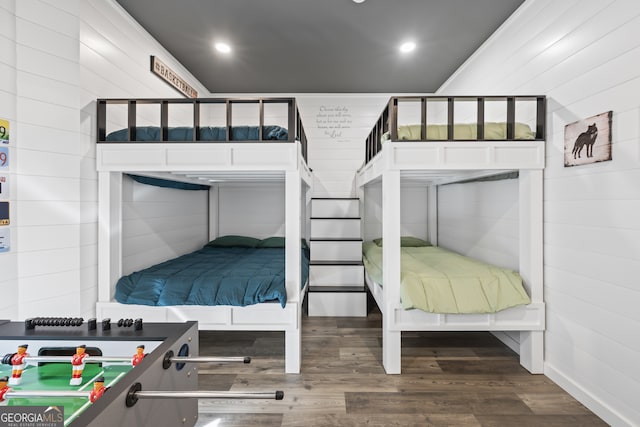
[
  {"x": 237, "y": 276},
  {"x": 207, "y": 133},
  {"x": 463, "y": 131},
  {"x": 436, "y": 280}
]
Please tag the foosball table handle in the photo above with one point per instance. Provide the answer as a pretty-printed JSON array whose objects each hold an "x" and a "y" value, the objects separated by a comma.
[
  {"x": 170, "y": 358},
  {"x": 135, "y": 393}
]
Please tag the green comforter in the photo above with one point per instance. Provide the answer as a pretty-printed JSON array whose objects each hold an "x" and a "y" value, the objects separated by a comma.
[
  {"x": 439, "y": 281},
  {"x": 462, "y": 131}
]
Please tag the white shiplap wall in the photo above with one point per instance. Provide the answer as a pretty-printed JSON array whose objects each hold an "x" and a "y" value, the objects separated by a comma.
[
  {"x": 48, "y": 162},
  {"x": 160, "y": 223},
  {"x": 114, "y": 55},
  {"x": 336, "y": 126},
  {"x": 480, "y": 219},
  {"x": 255, "y": 210},
  {"x": 584, "y": 56},
  {"x": 58, "y": 57},
  {"x": 9, "y": 260},
  {"x": 413, "y": 211}
]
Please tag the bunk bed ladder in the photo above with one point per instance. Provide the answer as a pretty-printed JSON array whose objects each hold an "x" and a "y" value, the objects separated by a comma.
[{"x": 336, "y": 272}]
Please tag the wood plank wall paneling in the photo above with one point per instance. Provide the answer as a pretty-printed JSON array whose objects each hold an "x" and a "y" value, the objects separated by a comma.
[
  {"x": 91, "y": 49},
  {"x": 160, "y": 223},
  {"x": 113, "y": 61},
  {"x": 480, "y": 220},
  {"x": 335, "y": 126},
  {"x": 581, "y": 54},
  {"x": 250, "y": 210},
  {"x": 9, "y": 260},
  {"x": 413, "y": 221},
  {"x": 41, "y": 163}
]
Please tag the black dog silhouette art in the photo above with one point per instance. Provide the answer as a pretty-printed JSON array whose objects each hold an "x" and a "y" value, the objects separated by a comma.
[{"x": 587, "y": 139}]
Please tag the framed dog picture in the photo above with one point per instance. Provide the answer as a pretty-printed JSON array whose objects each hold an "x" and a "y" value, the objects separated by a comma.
[{"x": 588, "y": 141}]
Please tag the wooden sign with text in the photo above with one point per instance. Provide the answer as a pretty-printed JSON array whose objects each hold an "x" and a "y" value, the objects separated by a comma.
[{"x": 168, "y": 75}]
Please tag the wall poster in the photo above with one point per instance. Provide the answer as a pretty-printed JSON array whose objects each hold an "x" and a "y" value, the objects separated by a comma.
[
  {"x": 588, "y": 140},
  {"x": 4, "y": 131},
  {"x": 4, "y": 157},
  {"x": 4, "y": 187},
  {"x": 5, "y": 235},
  {"x": 4, "y": 213}
]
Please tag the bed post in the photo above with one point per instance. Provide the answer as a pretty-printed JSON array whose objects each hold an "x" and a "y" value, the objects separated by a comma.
[
  {"x": 293, "y": 225},
  {"x": 214, "y": 213},
  {"x": 109, "y": 232},
  {"x": 391, "y": 336},
  {"x": 531, "y": 261},
  {"x": 432, "y": 214}
]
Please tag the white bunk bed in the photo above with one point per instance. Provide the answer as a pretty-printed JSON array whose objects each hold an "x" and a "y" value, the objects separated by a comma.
[
  {"x": 395, "y": 156},
  {"x": 215, "y": 163}
]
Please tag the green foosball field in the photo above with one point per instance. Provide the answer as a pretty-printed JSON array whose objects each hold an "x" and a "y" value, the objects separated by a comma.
[{"x": 55, "y": 376}]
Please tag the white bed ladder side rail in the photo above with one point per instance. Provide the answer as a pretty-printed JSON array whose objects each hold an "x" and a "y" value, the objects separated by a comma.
[
  {"x": 531, "y": 262},
  {"x": 293, "y": 225},
  {"x": 391, "y": 335},
  {"x": 109, "y": 233}
]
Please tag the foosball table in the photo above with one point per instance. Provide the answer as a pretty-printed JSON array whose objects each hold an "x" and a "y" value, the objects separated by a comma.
[{"x": 65, "y": 371}]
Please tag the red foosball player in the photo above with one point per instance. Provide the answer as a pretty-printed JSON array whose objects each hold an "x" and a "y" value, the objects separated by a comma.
[
  {"x": 18, "y": 364},
  {"x": 4, "y": 388},
  {"x": 77, "y": 364},
  {"x": 98, "y": 389},
  {"x": 137, "y": 358}
]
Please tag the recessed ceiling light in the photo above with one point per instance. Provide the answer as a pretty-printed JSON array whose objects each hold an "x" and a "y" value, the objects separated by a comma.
[
  {"x": 223, "y": 47},
  {"x": 358, "y": 1},
  {"x": 407, "y": 47}
]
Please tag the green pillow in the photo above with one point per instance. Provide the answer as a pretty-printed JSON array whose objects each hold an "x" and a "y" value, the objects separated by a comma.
[
  {"x": 406, "y": 242},
  {"x": 271, "y": 242},
  {"x": 278, "y": 242},
  {"x": 232, "y": 241}
]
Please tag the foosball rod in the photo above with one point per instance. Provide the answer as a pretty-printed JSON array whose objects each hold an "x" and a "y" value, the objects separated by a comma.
[
  {"x": 135, "y": 393},
  {"x": 207, "y": 359},
  {"x": 277, "y": 395},
  {"x": 107, "y": 359},
  {"x": 46, "y": 393}
]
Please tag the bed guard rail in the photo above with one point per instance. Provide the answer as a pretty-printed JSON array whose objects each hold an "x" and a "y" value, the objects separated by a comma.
[
  {"x": 204, "y": 120},
  {"x": 437, "y": 118}
]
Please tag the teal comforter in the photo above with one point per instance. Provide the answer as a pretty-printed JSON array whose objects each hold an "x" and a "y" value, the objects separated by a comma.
[
  {"x": 207, "y": 133},
  {"x": 212, "y": 276}
]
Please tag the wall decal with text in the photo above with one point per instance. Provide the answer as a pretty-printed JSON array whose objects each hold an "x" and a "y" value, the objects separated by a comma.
[{"x": 332, "y": 119}]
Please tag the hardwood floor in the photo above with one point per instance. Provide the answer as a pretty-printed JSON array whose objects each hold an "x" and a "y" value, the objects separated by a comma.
[{"x": 448, "y": 379}]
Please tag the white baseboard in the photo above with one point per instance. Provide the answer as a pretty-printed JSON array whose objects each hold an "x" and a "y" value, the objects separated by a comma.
[{"x": 597, "y": 406}]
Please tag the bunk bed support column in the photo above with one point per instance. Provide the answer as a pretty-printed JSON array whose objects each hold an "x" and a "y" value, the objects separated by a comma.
[
  {"x": 109, "y": 232},
  {"x": 432, "y": 214},
  {"x": 391, "y": 336},
  {"x": 293, "y": 225},
  {"x": 214, "y": 202},
  {"x": 531, "y": 261}
]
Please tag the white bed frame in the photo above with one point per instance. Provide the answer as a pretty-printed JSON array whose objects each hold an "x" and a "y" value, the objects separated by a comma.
[
  {"x": 192, "y": 162},
  {"x": 439, "y": 162}
]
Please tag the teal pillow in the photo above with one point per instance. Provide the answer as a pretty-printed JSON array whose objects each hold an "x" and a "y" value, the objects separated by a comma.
[
  {"x": 407, "y": 242},
  {"x": 232, "y": 241}
]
